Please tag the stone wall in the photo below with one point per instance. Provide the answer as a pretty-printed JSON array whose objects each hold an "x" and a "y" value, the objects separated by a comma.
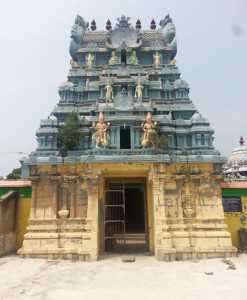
[
  {"x": 8, "y": 211},
  {"x": 189, "y": 213},
  {"x": 185, "y": 214},
  {"x": 60, "y": 219}
]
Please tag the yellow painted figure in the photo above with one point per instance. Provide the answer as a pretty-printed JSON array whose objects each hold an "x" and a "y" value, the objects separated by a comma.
[
  {"x": 138, "y": 90},
  {"x": 173, "y": 62},
  {"x": 114, "y": 59},
  {"x": 100, "y": 135},
  {"x": 74, "y": 64},
  {"x": 150, "y": 136},
  {"x": 89, "y": 60},
  {"x": 157, "y": 59},
  {"x": 109, "y": 92}
]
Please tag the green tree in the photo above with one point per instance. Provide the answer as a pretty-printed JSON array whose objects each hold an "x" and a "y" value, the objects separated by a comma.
[
  {"x": 69, "y": 134},
  {"x": 15, "y": 174}
]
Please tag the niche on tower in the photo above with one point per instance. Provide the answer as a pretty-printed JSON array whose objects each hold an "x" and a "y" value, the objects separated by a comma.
[
  {"x": 125, "y": 137},
  {"x": 123, "y": 57}
]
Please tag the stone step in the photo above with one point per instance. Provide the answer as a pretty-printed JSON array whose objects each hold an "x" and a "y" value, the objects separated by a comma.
[{"x": 128, "y": 242}]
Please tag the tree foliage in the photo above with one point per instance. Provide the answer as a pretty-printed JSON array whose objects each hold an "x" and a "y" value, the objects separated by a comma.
[
  {"x": 15, "y": 174},
  {"x": 69, "y": 134}
]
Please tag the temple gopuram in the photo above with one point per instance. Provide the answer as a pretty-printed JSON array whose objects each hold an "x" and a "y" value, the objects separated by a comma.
[{"x": 145, "y": 176}]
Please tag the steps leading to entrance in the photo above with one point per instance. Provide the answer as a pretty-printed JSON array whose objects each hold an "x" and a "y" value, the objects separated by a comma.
[
  {"x": 131, "y": 238},
  {"x": 128, "y": 242}
]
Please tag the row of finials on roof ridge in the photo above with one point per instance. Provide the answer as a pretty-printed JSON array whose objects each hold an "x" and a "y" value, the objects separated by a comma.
[{"x": 138, "y": 25}]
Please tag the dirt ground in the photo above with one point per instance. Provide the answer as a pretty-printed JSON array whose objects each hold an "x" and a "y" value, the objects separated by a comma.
[{"x": 110, "y": 278}]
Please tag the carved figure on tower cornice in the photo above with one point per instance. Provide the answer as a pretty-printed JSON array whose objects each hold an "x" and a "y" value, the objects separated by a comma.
[
  {"x": 87, "y": 83},
  {"x": 74, "y": 64},
  {"x": 169, "y": 34},
  {"x": 138, "y": 90},
  {"x": 157, "y": 59},
  {"x": 89, "y": 60},
  {"x": 133, "y": 60},
  {"x": 173, "y": 62},
  {"x": 114, "y": 59},
  {"x": 150, "y": 137},
  {"x": 109, "y": 92},
  {"x": 100, "y": 135},
  {"x": 77, "y": 33}
]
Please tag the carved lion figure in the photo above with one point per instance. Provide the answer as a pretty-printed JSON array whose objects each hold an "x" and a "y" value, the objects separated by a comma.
[
  {"x": 169, "y": 33},
  {"x": 77, "y": 33}
]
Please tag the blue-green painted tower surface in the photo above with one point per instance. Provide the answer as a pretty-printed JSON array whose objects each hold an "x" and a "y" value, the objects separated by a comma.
[{"x": 124, "y": 56}]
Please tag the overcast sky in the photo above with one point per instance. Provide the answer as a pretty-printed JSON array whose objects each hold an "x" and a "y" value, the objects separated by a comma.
[{"x": 34, "y": 61}]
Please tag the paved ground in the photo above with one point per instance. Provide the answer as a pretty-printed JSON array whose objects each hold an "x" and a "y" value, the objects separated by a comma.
[{"x": 145, "y": 279}]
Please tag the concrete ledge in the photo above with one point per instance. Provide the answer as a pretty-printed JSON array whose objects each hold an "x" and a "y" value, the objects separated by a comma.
[
  {"x": 7, "y": 243},
  {"x": 187, "y": 254},
  {"x": 58, "y": 254}
]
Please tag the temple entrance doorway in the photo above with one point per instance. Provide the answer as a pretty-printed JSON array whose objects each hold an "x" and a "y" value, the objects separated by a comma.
[{"x": 125, "y": 216}]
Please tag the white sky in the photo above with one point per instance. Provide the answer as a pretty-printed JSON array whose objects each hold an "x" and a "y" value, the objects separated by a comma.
[{"x": 34, "y": 61}]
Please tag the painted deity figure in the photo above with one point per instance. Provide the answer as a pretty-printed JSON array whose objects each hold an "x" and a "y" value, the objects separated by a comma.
[
  {"x": 89, "y": 60},
  {"x": 157, "y": 59},
  {"x": 150, "y": 136},
  {"x": 124, "y": 91},
  {"x": 109, "y": 92},
  {"x": 138, "y": 90},
  {"x": 100, "y": 135},
  {"x": 114, "y": 59},
  {"x": 133, "y": 60},
  {"x": 74, "y": 64},
  {"x": 173, "y": 62},
  {"x": 87, "y": 83}
]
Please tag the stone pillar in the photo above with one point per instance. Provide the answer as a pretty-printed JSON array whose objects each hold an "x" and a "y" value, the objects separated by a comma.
[
  {"x": 174, "y": 212},
  {"x": 35, "y": 181},
  {"x": 63, "y": 210},
  {"x": 71, "y": 186},
  {"x": 90, "y": 246},
  {"x": 54, "y": 202},
  {"x": 162, "y": 238},
  {"x": 209, "y": 232}
]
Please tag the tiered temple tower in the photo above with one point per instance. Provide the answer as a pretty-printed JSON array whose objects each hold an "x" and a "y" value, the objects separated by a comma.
[{"x": 146, "y": 171}]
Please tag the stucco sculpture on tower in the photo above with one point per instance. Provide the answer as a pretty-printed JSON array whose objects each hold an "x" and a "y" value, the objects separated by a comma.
[
  {"x": 89, "y": 60},
  {"x": 133, "y": 60},
  {"x": 114, "y": 59},
  {"x": 77, "y": 33},
  {"x": 157, "y": 59},
  {"x": 138, "y": 90},
  {"x": 150, "y": 137},
  {"x": 109, "y": 91},
  {"x": 100, "y": 135},
  {"x": 169, "y": 34}
]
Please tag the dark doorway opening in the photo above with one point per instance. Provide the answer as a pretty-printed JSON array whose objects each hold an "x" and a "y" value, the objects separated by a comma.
[
  {"x": 125, "y": 217},
  {"x": 134, "y": 208},
  {"x": 125, "y": 141},
  {"x": 123, "y": 57}
]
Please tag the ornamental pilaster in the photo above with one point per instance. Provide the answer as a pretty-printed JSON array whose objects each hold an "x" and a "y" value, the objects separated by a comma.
[
  {"x": 35, "y": 179},
  {"x": 55, "y": 182}
]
